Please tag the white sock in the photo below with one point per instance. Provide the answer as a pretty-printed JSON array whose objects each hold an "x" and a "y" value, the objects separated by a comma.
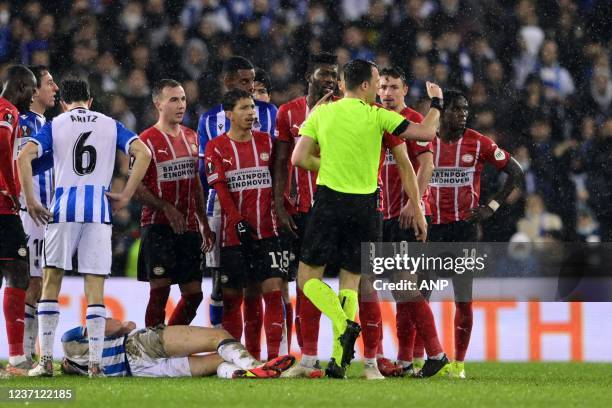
[
  {"x": 233, "y": 352},
  {"x": 16, "y": 360},
  {"x": 369, "y": 361},
  {"x": 404, "y": 363},
  {"x": 30, "y": 331},
  {"x": 308, "y": 361},
  {"x": 437, "y": 356},
  {"x": 226, "y": 370},
  {"x": 380, "y": 355},
  {"x": 96, "y": 322},
  {"x": 48, "y": 318}
]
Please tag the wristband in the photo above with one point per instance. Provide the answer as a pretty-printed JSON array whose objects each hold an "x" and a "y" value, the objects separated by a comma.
[
  {"x": 493, "y": 204},
  {"x": 436, "y": 103}
]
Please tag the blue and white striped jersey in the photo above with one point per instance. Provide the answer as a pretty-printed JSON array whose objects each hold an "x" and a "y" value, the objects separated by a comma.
[
  {"x": 114, "y": 360},
  {"x": 214, "y": 123},
  {"x": 30, "y": 124},
  {"x": 83, "y": 143}
]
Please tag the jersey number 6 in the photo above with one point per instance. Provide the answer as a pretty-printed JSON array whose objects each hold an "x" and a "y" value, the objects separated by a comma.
[{"x": 79, "y": 152}]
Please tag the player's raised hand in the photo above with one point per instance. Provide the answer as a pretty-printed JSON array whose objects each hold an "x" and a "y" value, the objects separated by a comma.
[
  {"x": 175, "y": 218},
  {"x": 39, "y": 213},
  {"x": 433, "y": 90},
  {"x": 286, "y": 221}
]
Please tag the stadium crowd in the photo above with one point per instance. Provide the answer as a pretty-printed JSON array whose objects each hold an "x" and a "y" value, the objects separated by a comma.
[{"x": 537, "y": 75}]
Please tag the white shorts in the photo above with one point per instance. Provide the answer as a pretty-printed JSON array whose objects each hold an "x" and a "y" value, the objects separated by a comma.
[
  {"x": 91, "y": 240},
  {"x": 147, "y": 357},
  {"x": 159, "y": 367},
  {"x": 36, "y": 236}
]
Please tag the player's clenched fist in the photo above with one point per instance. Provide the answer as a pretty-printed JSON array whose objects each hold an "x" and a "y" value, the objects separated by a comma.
[{"x": 433, "y": 90}]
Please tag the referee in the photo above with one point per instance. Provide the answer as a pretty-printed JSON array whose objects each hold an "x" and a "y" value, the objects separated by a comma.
[{"x": 348, "y": 134}]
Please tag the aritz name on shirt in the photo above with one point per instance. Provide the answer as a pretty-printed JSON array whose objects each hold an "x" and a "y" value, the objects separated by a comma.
[
  {"x": 83, "y": 119},
  {"x": 248, "y": 179},
  {"x": 178, "y": 169},
  {"x": 452, "y": 177}
]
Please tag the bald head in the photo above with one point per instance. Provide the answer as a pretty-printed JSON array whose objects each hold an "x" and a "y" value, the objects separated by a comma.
[{"x": 19, "y": 87}]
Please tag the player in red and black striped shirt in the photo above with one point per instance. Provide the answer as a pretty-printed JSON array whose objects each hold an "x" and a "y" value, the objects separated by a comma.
[
  {"x": 238, "y": 167},
  {"x": 19, "y": 86},
  {"x": 175, "y": 230},
  {"x": 460, "y": 154}
]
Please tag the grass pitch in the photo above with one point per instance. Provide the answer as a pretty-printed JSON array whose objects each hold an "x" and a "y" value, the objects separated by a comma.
[{"x": 550, "y": 385}]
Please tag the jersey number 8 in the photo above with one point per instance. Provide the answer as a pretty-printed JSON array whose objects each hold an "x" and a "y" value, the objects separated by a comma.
[{"x": 83, "y": 154}]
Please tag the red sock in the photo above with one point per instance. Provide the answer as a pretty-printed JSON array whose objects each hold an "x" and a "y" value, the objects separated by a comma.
[
  {"x": 273, "y": 321},
  {"x": 381, "y": 350},
  {"x": 289, "y": 324},
  {"x": 232, "y": 314},
  {"x": 370, "y": 319},
  {"x": 422, "y": 317},
  {"x": 298, "y": 301},
  {"x": 463, "y": 328},
  {"x": 156, "y": 308},
  {"x": 185, "y": 311},
  {"x": 253, "y": 322},
  {"x": 14, "y": 315},
  {"x": 419, "y": 345},
  {"x": 309, "y": 320},
  {"x": 405, "y": 332}
]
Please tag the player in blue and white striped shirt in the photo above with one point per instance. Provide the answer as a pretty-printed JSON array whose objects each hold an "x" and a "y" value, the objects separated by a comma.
[
  {"x": 238, "y": 73},
  {"x": 167, "y": 352},
  {"x": 29, "y": 124},
  {"x": 83, "y": 144}
]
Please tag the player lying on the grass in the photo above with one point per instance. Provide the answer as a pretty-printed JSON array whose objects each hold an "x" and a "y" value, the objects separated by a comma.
[{"x": 167, "y": 352}]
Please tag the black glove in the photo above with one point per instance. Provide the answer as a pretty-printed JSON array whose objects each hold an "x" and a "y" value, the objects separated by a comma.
[{"x": 245, "y": 233}]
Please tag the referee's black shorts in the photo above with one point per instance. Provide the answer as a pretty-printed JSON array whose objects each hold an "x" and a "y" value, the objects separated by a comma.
[{"x": 338, "y": 224}]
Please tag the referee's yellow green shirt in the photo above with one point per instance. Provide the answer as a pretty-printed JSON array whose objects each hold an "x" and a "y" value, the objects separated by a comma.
[{"x": 349, "y": 133}]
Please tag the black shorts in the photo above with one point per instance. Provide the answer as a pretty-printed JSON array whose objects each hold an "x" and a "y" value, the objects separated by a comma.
[
  {"x": 263, "y": 261},
  {"x": 393, "y": 233},
  {"x": 166, "y": 255},
  {"x": 291, "y": 245},
  {"x": 13, "y": 240},
  {"x": 338, "y": 224},
  {"x": 458, "y": 231}
]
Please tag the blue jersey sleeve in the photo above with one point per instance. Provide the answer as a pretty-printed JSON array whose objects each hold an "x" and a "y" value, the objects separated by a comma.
[
  {"x": 273, "y": 112},
  {"x": 203, "y": 139},
  {"x": 44, "y": 139},
  {"x": 124, "y": 137},
  {"x": 75, "y": 334}
]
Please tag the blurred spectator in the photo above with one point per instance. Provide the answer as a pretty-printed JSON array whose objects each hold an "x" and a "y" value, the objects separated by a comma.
[
  {"x": 556, "y": 79},
  {"x": 599, "y": 182},
  {"x": 537, "y": 221}
]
